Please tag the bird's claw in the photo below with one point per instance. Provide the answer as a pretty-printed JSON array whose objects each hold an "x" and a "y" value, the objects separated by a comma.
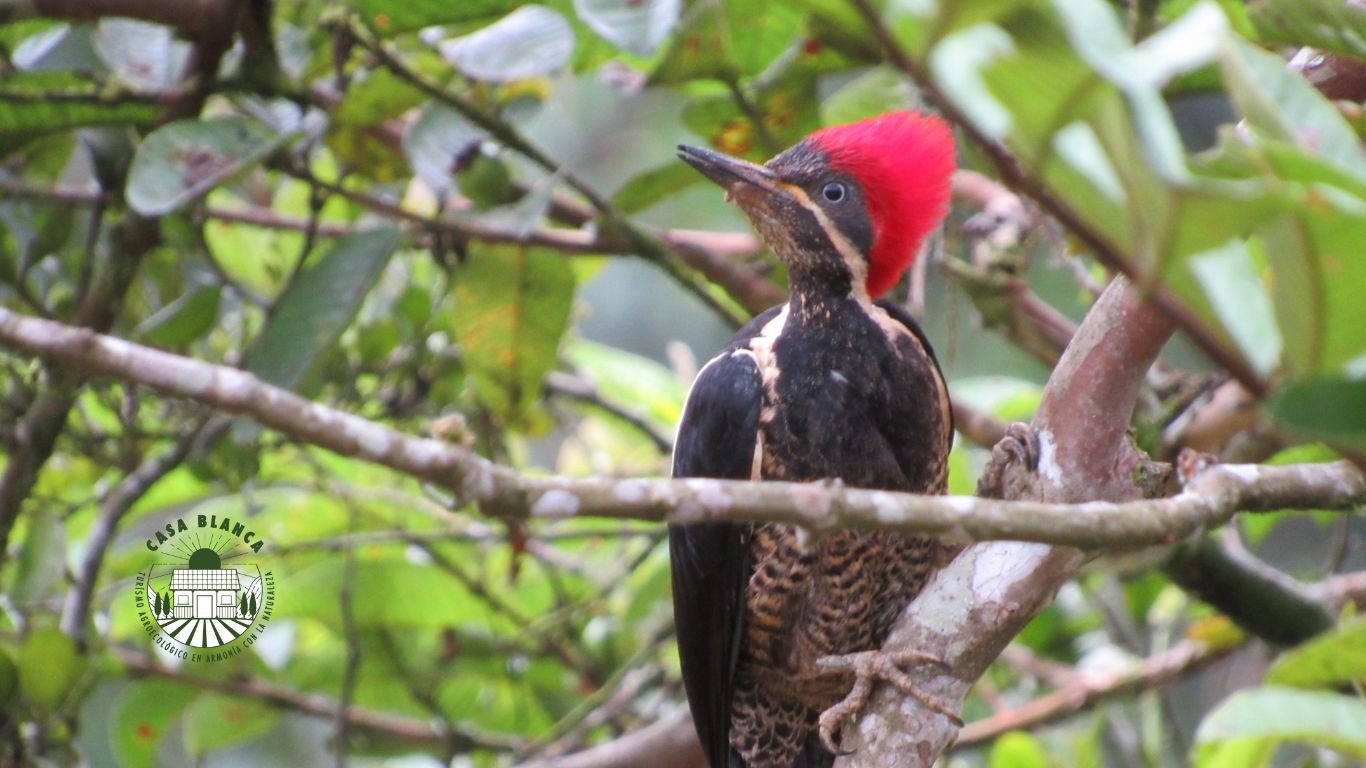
[
  {"x": 1021, "y": 445},
  {"x": 868, "y": 667},
  {"x": 1013, "y": 460}
]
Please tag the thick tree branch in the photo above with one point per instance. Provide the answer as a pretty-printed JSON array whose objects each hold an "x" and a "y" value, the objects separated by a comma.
[
  {"x": 1077, "y": 450},
  {"x": 1210, "y": 498},
  {"x": 1262, "y": 600}
]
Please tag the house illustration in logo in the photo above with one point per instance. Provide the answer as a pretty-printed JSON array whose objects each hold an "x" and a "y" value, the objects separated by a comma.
[
  {"x": 205, "y": 590},
  {"x": 205, "y": 605}
]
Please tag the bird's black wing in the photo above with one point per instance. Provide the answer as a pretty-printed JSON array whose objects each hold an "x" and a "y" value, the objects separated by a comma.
[
  {"x": 716, "y": 438},
  {"x": 902, "y": 316}
]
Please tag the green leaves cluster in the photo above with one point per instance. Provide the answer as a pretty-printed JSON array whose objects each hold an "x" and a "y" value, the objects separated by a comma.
[
  {"x": 1259, "y": 234},
  {"x": 1308, "y": 698}
]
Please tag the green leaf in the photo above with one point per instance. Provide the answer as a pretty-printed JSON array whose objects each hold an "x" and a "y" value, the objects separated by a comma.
[
  {"x": 1017, "y": 749},
  {"x": 917, "y": 24},
  {"x": 1316, "y": 274},
  {"x": 529, "y": 42},
  {"x": 880, "y": 89},
  {"x": 1322, "y": 719},
  {"x": 1240, "y": 301},
  {"x": 487, "y": 182},
  {"x": 42, "y": 559},
  {"x": 389, "y": 594},
  {"x": 9, "y": 681},
  {"x": 389, "y": 17},
  {"x": 1328, "y": 25},
  {"x": 1236, "y": 753},
  {"x": 371, "y": 100},
  {"x": 49, "y": 666},
  {"x": 180, "y": 162},
  {"x": 788, "y": 107},
  {"x": 190, "y": 316},
  {"x": 622, "y": 377},
  {"x": 1282, "y": 105},
  {"x": 638, "y": 26},
  {"x": 144, "y": 711},
  {"x": 318, "y": 306},
  {"x": 216, "y": 720},
  {"x": 512, "y": 306},
  {"x": 1337, "y": 658},
  {"x": 37, "y": 103},
  {"x": 653, "y": 186},
  {"x": 1330, "y": 408},
  {"x": 728, "y": 39},
  {"x": 1239, "y": 155},
  {"x": 1005, "y": 397}
]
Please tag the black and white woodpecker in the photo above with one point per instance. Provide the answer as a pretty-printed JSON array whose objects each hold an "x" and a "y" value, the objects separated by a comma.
[{"x": 832, "y": 385}]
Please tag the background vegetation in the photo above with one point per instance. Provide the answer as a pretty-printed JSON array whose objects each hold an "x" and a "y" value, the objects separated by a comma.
[{"x": 464, "y": 219}]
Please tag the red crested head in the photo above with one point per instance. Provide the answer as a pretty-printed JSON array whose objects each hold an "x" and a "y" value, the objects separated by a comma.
[{"x": 903, "y": 162}]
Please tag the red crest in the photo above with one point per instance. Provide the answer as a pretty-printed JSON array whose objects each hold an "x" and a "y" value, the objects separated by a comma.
[{"x": 904, "y": 163}]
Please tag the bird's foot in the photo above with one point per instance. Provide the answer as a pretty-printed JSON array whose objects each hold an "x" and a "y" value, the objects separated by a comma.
[
  {"x": 868, "y": 667},
  {"x": 1014, "y": 461}
]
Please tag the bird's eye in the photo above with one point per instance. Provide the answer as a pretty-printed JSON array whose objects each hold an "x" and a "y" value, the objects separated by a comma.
[{"x": 833, "y": 192}]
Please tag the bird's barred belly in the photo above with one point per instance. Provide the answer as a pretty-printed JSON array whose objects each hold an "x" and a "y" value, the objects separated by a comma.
[{"x": 839, "y": 595}]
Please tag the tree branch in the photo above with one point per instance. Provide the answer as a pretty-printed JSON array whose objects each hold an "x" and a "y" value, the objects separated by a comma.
[
  {"x": 1076, "y": 450},
  {"x": 1262, "y": 600},
  {"x": 36, "y": 432},
  {"x": 1089, "y": 689},
  {"x": 76, "y": 611},
  {"x": 643, "y": 242},
  {"x": 1019, "y": 179},
  {"x": 1209, "y": 499},
  {"x": 193, "y": 17},
  {"x": 710, "y": 253},
  {"x": 667, "y": 743},
  {"x": 1086, "y": 690},
  {"x": 409, "y": 730}
]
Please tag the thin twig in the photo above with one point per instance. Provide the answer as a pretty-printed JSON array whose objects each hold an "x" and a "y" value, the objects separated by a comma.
[
  {"x": 352, "y": 639},
  {"x": 575, "y": 388},
  {"x": 409, "y": 730},
  {"x": 590, "y": 703},
  {"x": 134, "y": 486},
  {"x": 752, "y": 113},
  {"x": 669, "y": 742},
  {"x": 977, "y": 426},
  {"x": 643, "y": 242}
]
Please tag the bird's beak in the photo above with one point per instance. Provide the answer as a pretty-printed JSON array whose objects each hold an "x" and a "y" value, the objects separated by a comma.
[{"x": 734, "y": 175}]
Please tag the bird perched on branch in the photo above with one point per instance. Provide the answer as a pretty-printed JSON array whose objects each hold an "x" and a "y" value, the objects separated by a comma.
[{"x": 779, "y": 632}]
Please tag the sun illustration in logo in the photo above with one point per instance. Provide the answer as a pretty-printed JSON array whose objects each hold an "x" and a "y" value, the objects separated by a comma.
[{"x": 199, "y": 602}]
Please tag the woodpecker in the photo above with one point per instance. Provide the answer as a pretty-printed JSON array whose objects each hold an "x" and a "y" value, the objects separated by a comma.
[{"x": 833, "y": 385}]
